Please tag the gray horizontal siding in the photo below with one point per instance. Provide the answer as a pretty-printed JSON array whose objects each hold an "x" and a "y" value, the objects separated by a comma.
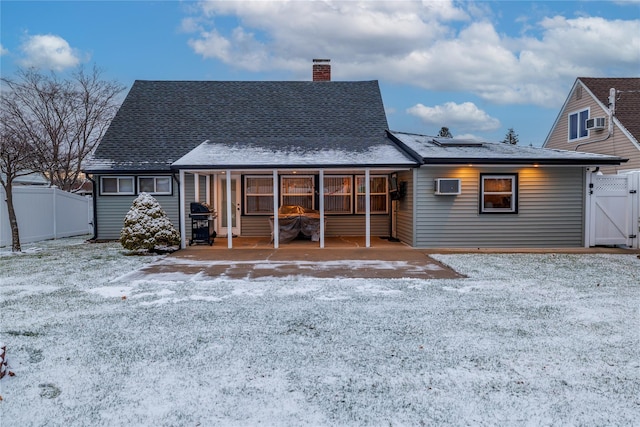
[
  {"x": 255, "y": 226},
  {"x": 111, "y": 210},
  {"x": 550, "y": 210},
  {"x": 404, "y": 210},
  {"x": 337, "y": 225},
  {"x": 355, "y": 225}
]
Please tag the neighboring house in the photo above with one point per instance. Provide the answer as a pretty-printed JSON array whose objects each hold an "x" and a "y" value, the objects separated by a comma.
[
  {"x": 601, "y": 115},
  {"x": 247, "y": 148}
]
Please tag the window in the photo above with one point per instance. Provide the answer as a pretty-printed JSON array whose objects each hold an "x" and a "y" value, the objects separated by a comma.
[
  {"x": 578, "y": 125},
  {"x": 258, "y": 197},
  {"x": 337, "y": 194},
  {"x": 378, "y": 192},
  {"x": 116, "y": 185},
  {"x": 154, "y": 184},
  {"x": 297, "y": 190},
  {"x": 498, "y": 193}
]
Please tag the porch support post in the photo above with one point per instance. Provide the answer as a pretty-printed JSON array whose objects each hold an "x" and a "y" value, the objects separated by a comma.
[
  {"x": 229, "y": 222},
  {"x": 207, "y": 189},
  {"x": 276, "y": 227},
  {"x": 196, "y": 187},
  {"x": 183, "y": 228},
  {"x": 367, "y": 204},
  {"x": 321, "y": 203}
]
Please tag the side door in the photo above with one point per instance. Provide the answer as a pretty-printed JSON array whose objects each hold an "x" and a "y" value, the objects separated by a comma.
[{"x": 235, "y": 196}]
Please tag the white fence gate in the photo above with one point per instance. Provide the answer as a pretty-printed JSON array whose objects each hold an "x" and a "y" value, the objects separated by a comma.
[
  {"x": 45, "y": 213},
  {"x": 613, "y": 210}
]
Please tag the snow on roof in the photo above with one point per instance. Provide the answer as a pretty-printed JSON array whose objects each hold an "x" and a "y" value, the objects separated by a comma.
[
  {"x": 286, "y": 153},
  {"x": 428, "y": 148}
]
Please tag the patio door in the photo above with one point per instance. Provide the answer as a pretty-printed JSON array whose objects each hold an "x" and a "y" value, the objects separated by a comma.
[{"x": 235, "y": 205}]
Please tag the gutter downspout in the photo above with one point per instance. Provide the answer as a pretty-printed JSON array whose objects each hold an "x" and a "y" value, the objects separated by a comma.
[
  {"x": 611, "y": 113},
  {"x": 95, "y": 210}
]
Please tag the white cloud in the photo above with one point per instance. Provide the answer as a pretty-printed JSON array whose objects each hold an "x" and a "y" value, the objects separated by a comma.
[
  {"x": 436, "y": 45},
  {"x": 466, "y": 116},
  {"x": 3, "y": 50},
  {"x": 48, "y": 51}
]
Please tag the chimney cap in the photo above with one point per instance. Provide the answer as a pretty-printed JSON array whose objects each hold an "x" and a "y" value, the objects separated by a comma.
[{"x": 321, "y": 60}]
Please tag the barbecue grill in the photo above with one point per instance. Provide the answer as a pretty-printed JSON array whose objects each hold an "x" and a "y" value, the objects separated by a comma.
[{"x": 202, "y": 224}]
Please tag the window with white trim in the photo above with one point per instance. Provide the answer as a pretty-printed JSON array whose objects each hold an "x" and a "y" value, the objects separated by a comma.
[
  {"x": 578, "y": 125},
  {"x": 498, "y": 193},
  {"x": 338, "y": 191},
  {"x": 117, "y": 185},
  {"x": 378, "y": 189},
  {"x": 258, "y": 195},
  {"x": 297, "y": 190},
  {"x": 154, "y": 184}
]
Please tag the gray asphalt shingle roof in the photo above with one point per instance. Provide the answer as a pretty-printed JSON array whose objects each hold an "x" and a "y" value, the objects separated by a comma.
[
  {"x": 425, "y": 149},
  {"x": 161, "y": 121}
]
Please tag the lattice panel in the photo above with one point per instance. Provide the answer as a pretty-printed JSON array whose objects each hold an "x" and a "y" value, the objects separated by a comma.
[{"x": 612, "y": 184}]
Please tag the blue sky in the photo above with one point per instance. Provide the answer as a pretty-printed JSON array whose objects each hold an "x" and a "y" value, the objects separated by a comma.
[{"x": 477, "y": 67}]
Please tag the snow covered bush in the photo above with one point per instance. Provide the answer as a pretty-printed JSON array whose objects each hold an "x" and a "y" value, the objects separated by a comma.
[{"x": 146, "y": 226}]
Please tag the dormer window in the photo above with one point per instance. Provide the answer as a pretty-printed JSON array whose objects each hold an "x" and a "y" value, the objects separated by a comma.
[{"x": 578, "y": 125}]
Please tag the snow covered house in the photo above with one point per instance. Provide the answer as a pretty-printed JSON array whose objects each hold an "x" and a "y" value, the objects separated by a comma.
[{"x": 249, "y": 148}]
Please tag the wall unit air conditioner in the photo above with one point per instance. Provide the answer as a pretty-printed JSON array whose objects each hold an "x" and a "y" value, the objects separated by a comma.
[
  {"x": 448, "y": 186},
  {"x": 596, "y": 123}
]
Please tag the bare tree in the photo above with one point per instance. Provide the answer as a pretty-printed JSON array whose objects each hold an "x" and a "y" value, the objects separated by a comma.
[
  {"x": 50, "y": 125},
  {"x": 64, "y": 118},
  {"x": 16, "y": 159}
]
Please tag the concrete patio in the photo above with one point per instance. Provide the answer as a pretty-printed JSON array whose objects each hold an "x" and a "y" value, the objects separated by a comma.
[{"x": 342, "y": 257}]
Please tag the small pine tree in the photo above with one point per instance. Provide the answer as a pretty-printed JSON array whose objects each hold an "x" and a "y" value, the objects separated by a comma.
[
  {"x": 146, "y": 226},
  {"x": 511, "y": 137},
  {"x": 444, "y": 132}
]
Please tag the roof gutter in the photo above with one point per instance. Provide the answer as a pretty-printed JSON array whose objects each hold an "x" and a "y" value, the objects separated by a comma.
[
  {"x": 532, "y": 161},
  {"x": 95, "y": 210},
  {"x": 295, "y": 166}
]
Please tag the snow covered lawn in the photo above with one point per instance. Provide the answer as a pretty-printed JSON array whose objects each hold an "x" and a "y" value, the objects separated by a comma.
[{"x": 526, "y": 339}]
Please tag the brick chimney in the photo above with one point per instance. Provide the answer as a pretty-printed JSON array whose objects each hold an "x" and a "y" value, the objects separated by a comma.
[{"x": 321, "y": 70}]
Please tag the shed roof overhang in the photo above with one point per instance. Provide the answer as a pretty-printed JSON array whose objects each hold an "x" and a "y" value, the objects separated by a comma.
[{"x": 428, "y": 150}]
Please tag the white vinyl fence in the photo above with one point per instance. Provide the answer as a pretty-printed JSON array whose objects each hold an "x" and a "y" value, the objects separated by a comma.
[{"x": 45, "y": 213}]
